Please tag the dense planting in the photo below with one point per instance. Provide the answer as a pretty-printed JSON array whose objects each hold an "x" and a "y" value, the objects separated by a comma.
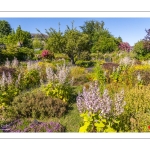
[{"x": 76, "y": 81}]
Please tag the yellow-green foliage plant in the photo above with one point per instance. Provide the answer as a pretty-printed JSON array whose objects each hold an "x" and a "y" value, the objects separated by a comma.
[
  {"x": 136, "y": 116},
  {"x": 77, "y": 71},
  {"x": 99, "y": 75},
  {"x": 61, "y": 91}
]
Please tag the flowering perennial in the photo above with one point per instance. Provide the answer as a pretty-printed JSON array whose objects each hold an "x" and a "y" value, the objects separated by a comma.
[{"x": 90, "y": 100}]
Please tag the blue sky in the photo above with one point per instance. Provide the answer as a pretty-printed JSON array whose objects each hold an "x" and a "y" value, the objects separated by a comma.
[{"x": 130, "y": 29}]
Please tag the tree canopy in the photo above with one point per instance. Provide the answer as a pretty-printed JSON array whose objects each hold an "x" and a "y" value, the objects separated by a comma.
[{"x": 5, "y": 28}]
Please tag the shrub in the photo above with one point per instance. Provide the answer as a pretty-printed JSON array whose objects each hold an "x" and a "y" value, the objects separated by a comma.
[
  {"x": 136, "y": 112},
  {"x": 32, "y": 126},
  {"x": 140, "y": 52},
  {"x": 143, "y": 71},
  {"x": 35, "y": 105},
  {"x": 24, "y": 53},
  {"x": 31, "y": 78},
  {"x": 47, "y": 54},
  {"x": 100, "y": 76},
  {"x": 80, "y": 80},
  {"x": 61, "y": 91},
  {"x": 125, "y": 46},
  {"x": 85, "y": 56},
  {"x": 77, "y": 71},
  {"x": 85, "y": 63},
  {"x": 60, "y": 56}
]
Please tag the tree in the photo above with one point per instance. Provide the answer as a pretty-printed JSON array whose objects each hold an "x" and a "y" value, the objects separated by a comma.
[
  {"x": 37, "y": 43},
  {"x": 138, "y": 50},
  {"x": 75, "y": 43},
  {"x": 147, "y": 41},
  {"x": 118, "y": 40},
  {"x": 91, "y": 28},
  {"x": 105, "y": 44},
  {"x": 5, "y": 28},
  {"x": 23, "y": 38},
  {"x": 55, "y": 41}
]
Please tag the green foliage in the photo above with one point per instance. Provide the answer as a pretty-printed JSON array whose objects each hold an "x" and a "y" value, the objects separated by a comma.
[
  {"x": 23, "y": 38},
  {"x": 61, "y": 91},
  {"x": 140, "y": 51},
  {"x": 24, "y": 53},
  {"x": 37, "y": 43},
  {"x": 55, "y": 41},
  {"x": 5, "y": 28},
  {"x": 30, "y": 79},
  {"x": 35, "y": 105},
  {"x": 75, "y": 43},
  {"x": 91, "y": 28},
  {"x": 85, "y": 64},
  {"x": 77, "y": 71},
  {"x": 105, "y": 44},
  {"x": 7, "y": 94},
  {"x": 85, "y": 56},
  {"x": 96, "y": 123},
  {"x": 137, "y": 107},
  {"x": 100, "y": 76}
]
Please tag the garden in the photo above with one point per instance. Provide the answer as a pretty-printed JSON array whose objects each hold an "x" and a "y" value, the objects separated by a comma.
[{"x": 73, "y": 81}]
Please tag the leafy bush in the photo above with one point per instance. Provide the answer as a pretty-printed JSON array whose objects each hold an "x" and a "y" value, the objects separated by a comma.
[
  {"x": 77, "y": 71},
  {"x": 32, "y": 126},
  {"x": 136, "y": 112},
  {"x": 85, "y": 56},
  {"x": 31, "y": 78},
  {"x": 35, "y": 105},
  {"x": 99, "y": 75},
  {"x": 140, "y": 51},
  {"x": 85, "y": 63},
  {"x": 24, "y": 53},
  {"x": 61, "y": 91},
  {"x": 7, "y": 94},
  {"x": 80, "y": 80},
  {"x": 59, "y": 56}
]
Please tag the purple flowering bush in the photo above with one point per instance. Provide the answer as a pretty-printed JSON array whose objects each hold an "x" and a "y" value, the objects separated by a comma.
[
  {"x": 125, "y": 46},
  {"x": 100, "y": 113},
  {"x": 32, "y": 126}
]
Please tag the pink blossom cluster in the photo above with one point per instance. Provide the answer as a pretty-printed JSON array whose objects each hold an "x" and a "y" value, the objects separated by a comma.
[
  {"x": 125, "y": 46},
  {"x": 45, "y": 53}
]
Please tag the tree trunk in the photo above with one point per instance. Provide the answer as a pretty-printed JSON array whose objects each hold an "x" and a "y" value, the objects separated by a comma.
[{"x": 72, "y": 60}]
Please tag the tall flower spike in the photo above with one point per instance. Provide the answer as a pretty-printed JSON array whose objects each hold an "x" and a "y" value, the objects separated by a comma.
[
  {"x": 3, "y": 80},
  {"x": 119, "y": 102},
  {"x": 9, "y": 79},
  {"x": 15, "y": 63},
  {"x": 7, "y": 63},
  {"x": 50, "y": 74}
]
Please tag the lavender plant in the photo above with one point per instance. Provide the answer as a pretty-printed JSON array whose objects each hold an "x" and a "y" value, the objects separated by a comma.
[{"x": 99, "y": 111}]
